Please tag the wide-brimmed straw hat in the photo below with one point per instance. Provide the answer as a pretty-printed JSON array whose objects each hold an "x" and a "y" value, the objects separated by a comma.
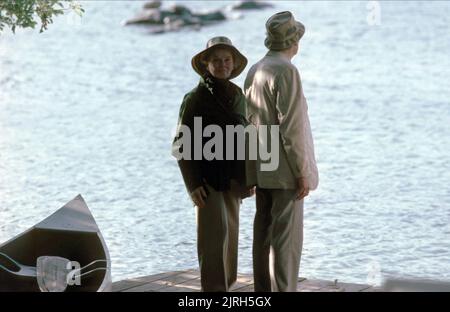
[
  {"x": 240, "y": 61},
  {"x": 283, "y": 31}
]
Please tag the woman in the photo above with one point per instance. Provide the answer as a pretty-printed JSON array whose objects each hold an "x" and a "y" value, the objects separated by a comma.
[{"x": 215, "y": 184}]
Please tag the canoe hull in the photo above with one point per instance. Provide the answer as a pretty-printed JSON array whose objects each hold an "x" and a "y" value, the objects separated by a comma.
[{"x": 70, "y": 238}]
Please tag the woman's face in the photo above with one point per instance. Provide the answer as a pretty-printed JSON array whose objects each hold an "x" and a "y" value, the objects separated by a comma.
[{"x": 220, "y": 63}]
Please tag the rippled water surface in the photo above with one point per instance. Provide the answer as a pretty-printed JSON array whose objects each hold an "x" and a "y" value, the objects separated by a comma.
[{"x": 90, "y": 108}]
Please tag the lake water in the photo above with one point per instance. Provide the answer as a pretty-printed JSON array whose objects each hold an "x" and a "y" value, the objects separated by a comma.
[{"x": 90, "y": 107}]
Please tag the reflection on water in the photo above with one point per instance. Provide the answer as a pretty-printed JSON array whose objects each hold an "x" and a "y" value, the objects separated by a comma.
[{"x": 90, "y": 108}]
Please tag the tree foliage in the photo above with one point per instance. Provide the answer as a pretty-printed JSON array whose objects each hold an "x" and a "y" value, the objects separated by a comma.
[{"x": 28, "y": 13}]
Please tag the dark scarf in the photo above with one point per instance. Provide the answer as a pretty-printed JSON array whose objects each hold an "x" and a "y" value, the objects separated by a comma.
[
  {"x": 220, "y": 100},
  {"x": 223, "y": 91},
  {"x": 225, "y": 97}
]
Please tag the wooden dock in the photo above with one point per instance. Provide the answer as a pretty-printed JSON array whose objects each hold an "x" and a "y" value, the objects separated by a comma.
[{"x": 189, "y": 281}]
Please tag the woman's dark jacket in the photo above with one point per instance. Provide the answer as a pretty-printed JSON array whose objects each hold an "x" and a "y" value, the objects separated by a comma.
[{"x": 217, "y": 102}]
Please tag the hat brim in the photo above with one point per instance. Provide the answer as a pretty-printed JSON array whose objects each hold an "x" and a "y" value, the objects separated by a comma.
[
  {"x": 286, "y": 43},
  {"x": 240, "y": 61}
]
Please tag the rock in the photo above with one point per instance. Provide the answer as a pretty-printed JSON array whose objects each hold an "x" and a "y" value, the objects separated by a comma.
[
  {"x": 174, "y": 18},
  {"x": 155, "y": 4},
  {"x": 211, "y": 16},
  {"x": 178, "y": 9},
  {"x": 149, "y": 16},
  {"x": 251, "y": 5},
  {"x": 175, "y": 22}
]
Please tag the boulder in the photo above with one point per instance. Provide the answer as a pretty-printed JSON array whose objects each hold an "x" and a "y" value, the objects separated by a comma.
[
  {"x": 155, "y": 4},
  {"x": 251, "y": 5}
]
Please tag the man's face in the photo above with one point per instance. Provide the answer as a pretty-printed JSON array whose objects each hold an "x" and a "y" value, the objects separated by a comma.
[
  {"x": 220, "y": 63},
  {"x": 296, "y": 48}
]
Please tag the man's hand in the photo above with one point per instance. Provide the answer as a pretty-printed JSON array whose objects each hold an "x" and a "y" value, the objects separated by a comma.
[
  {"x": 302, "y": 188},
  {"x": 198, "y": 196}
]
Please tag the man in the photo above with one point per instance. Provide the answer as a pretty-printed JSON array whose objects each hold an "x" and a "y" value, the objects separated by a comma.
[{"x": 275, "y": 98}]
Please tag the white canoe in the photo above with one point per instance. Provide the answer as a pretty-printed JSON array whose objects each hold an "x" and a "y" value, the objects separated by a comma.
[{"x": 71, "y": 233}]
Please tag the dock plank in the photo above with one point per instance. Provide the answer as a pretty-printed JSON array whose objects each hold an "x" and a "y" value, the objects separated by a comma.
[
  {"x": 349, "y": 287},
  {"x": 189, "y": 281},
  {"x": 191, "y": 285},
  {"x": 243, "y": 280},
  {"x": 169, "y": 281},
  {"x": 135, "y": 282}
]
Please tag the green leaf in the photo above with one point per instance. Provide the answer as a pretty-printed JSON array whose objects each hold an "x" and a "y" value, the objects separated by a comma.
[{"x": 25, "y": 13}]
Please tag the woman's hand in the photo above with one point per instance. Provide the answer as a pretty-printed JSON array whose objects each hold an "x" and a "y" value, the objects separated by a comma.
[
  {"x": 198, "y": 196},
  {"x": 247, "y": 192}
]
